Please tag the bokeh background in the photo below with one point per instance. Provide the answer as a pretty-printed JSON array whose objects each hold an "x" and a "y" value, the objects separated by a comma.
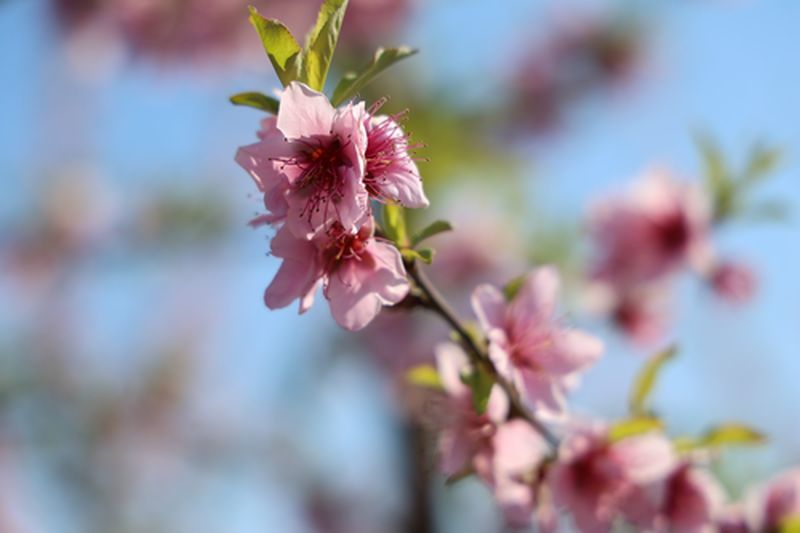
[{"x": 145, "y": 387}]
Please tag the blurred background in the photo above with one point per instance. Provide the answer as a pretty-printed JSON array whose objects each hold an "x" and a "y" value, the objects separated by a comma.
[{"x": 145, "y": 387}]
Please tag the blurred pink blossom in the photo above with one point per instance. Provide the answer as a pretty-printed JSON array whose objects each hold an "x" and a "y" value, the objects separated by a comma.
[
  {"x": 580, "y": 56},
  {"x": 211, "y": 31},
  {"x": 529, "y": 345},
  {"x": 691, "y": 501},
  {"x": 733, "y": 281},
  {"x": 595, "y": 479},
  {"x": 660, "y": 226},
  {"x": 466, "y": 440},
  {"x": 779, "y": 501},
  {"x": 642, "y": 240}
]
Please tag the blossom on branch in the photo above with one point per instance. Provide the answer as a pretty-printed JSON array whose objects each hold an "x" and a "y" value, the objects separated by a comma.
[
  {"x": 597, "y": 479},
  {"x": 359, "y": 273},
  {"x": 529, "y": 345}
]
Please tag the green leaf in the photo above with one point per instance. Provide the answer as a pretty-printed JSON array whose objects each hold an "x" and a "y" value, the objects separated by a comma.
[
  {"x": 394, "y": 225},
  {"x": 684, "y": 444},
  {"x": 634, "y": 426},
  {"x": 321, "y": 43},
  {"x": 646, "y": 380},
  {"x": 425, "y": 255},
  {"x": 480, "y": 383},
  {"x": 434, "y": 228},
  {"x": 719, "y": 182},
  {"x": 731, "y": 435},
  {"x": 424, "y": 376},
  {"x": 256, "y": 100},
  {"x": 282, "y": 49},
  {"x": 511, "y": 288},
  {"x": 353, "y": 82},
  {"x": 761, "y": 163}
]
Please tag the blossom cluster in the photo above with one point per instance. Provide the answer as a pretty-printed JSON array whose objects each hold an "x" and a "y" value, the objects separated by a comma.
[
  {"x": 643, "y": 239},
  {"x": 319, "y": 169},
  {"x": 504, "y": 379}
]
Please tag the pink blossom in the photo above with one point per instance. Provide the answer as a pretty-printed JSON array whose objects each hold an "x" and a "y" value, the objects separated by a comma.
[
  {"x": 319, "y": 151},
  {"x": 359, "y": 273},
  {"x": 529, "y": 345},
  {"x": 733, "y": 519},
  {"x": 391, "y": 173},
  {"x": 780, "y": 501},
  {"x": 257, "y": 160},
  {"x": 596, "y": 479},
  {"x": 692, "y": 501},
  {"x": 317, "y": 165},
  {"x": 519, "y": 454},
  {"x": 466, "y": 440},
  {"x": 642, "y": 313},
  {"x": 659, "y": 227},
  {"x": 733, "y": 281},
  {"x": 506, "y": 454}
]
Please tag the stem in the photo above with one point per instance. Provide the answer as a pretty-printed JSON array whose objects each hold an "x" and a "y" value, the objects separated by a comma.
[{"x": 477, "y": 354}]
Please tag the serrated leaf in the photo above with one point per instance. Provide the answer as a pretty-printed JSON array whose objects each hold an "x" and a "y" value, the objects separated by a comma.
[
  {"x": 256, "y": 100},
  {"x": 511, "y": 288},
  {"x": 424, "y": 376},
  {"x": 731, "y": 435},
  {"x": 434, "y": 228},
  {"x": 634, "y": 426},
  {"x": 646, "y": 380},
  {"x": 282, "y": 49},
  {"x": 480, "y": 383},
  {"x": 394, "y": 225},
  {"x": 321, "y": 43},
  {"x": 352, "y": 82}
]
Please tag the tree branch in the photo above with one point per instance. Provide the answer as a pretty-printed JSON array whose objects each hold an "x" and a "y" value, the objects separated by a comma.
[{"x": 476, "y": 353}]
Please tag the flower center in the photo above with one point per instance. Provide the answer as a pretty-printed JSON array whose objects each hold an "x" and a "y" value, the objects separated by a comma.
[
  {"x": 319, "y": 163},
  {"x": 672, "y": 232},
  {"x": 342, "y": 245}
]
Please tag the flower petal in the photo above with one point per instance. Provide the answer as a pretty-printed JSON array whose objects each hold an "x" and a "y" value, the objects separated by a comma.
[
  {"x": 304, "y": 112},
  {"x": 489, "y": 306}
]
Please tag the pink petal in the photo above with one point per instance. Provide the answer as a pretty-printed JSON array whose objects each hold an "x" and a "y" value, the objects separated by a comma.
[
  {"x": 498, "y": 405},
  {"x": 454, "y": 451},
  {"x": 537, "y": 297},
  {"x": 304, "y": 112},
  {"x": 489, "y": 306},
  {"x": 348, "y": 126},
  {"x": 543, "y": 394},
  {"x": 450, "y": 362},
  {"x": 357, "y": 291},
  {"x": 297, "y": 275},
  {"x": 402, "y": 183},
  {"x": 574, "y": 351},
  {"x": 645, "y": 458}
]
